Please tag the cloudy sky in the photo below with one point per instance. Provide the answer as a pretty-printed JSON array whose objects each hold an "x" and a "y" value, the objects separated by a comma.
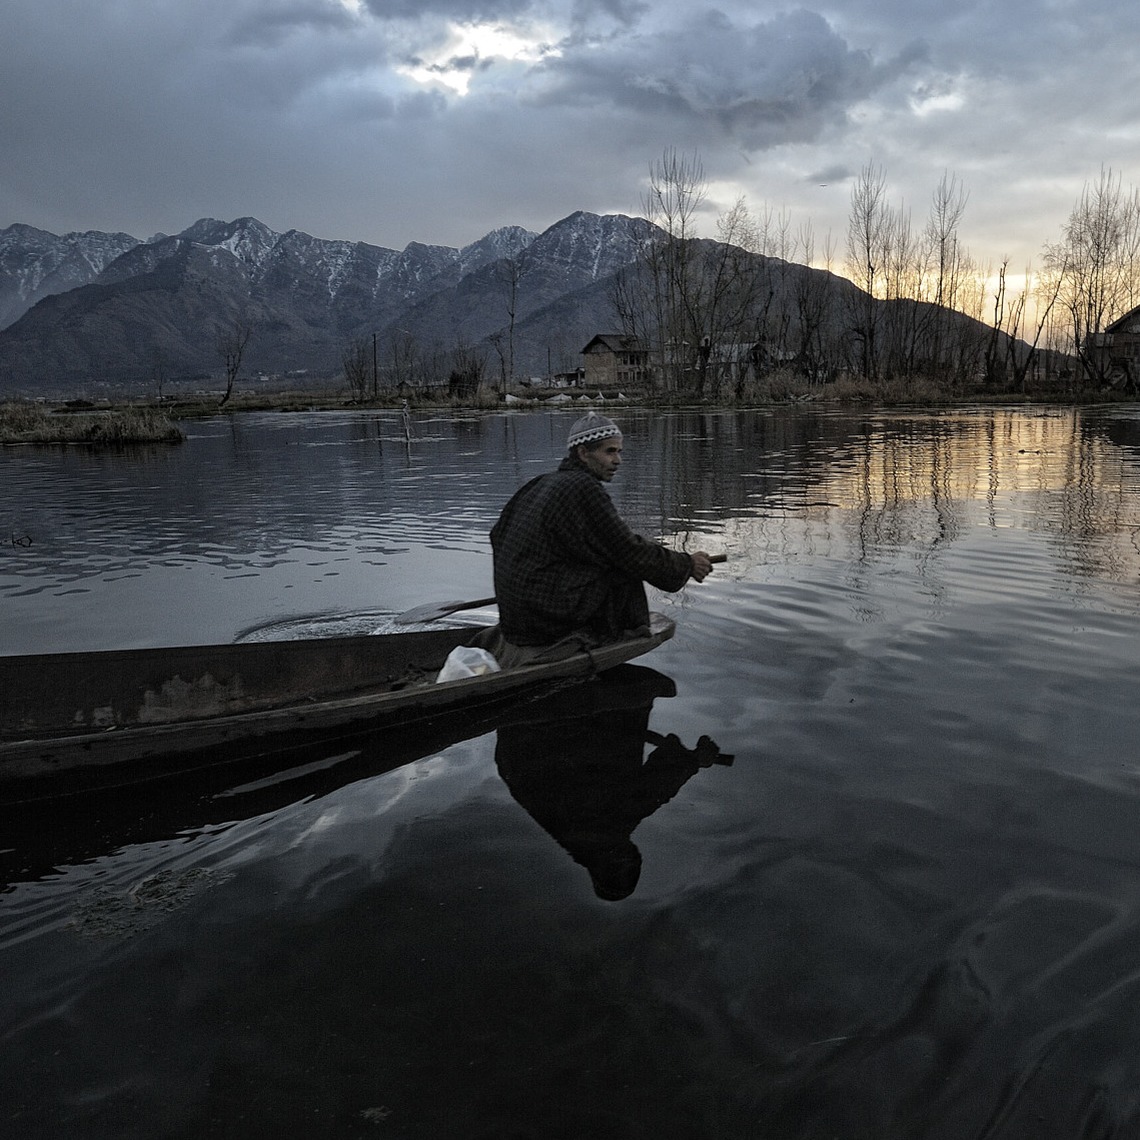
[{"x": 392, "y": 121}]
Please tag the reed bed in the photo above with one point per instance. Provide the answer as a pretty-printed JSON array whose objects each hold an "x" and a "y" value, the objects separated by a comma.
[{"x": 31, "y": 423}]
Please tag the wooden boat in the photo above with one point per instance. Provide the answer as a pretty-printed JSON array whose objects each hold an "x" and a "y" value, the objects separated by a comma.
[
  {"x": 87, "y": 813},
  {"x": 74, "y": 712}
]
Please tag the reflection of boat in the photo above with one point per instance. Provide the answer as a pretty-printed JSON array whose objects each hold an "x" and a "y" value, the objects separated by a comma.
[
  {"x": 151, "y": 708},
  {"x": 41, "y": 835}
]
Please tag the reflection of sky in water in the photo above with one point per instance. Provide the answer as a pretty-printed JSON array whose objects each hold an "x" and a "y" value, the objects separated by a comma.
[
  {"x": 236, "y": 528},
  {"x": 266, "y": 518},
  {"x": 908, "y": 908}
]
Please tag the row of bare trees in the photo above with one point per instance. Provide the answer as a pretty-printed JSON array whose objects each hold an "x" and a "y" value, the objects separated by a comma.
[
  {"x": 716, "y": 316},
  {"x": 713, "y": 314},
  {"x": 914, "y": 287},
  {"x": 688, "y": 300},
  {"x": 1055, "y": 316},
  {"x": 402, "y": 363},
  {"x": 719, "y": 314}
]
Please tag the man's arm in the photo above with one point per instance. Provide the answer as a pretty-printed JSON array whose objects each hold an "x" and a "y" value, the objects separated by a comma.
[{"x": 614, "y": 542}]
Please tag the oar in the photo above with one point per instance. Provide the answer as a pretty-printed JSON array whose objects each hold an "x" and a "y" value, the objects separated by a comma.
[{"x": 437, "y": 610}]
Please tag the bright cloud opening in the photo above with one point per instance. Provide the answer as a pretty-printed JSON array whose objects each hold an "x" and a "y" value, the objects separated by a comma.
[
  {"x": 930, "y": 104},
  {"x": 467, "y": 47}
]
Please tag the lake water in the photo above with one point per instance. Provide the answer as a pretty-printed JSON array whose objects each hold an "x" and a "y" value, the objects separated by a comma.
[{"x": 856, "y": 855}]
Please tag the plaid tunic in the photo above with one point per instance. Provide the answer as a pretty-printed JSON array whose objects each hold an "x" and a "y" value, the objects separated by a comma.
[{"x": 566, "y": 562}]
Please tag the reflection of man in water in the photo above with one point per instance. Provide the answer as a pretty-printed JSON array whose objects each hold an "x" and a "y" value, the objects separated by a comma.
[{"x": 586, "y": 781}]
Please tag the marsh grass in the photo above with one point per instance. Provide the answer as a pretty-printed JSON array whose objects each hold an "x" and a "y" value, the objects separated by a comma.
[{"x": 28, "y": 423}]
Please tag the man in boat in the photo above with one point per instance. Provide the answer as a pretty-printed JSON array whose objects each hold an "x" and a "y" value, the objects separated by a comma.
[{"x": 569, "y": 571}]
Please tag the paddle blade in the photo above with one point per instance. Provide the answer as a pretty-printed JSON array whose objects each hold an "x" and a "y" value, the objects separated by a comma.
[{"x": 437, "y": 610}]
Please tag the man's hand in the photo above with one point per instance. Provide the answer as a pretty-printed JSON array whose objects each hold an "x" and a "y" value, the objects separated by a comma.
[{"x": 702, "y": 565}]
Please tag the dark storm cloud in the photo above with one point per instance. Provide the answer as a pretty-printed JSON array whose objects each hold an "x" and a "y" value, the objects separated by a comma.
[
  {"x": 270, "y": 25},
  {"x": 437, "y": 120},
  {"x": 829, "y": 174},
  {"x": 467, "y": 11},
  {"x": 627, "y": 12},
  {"x": 761, "y": 83}
]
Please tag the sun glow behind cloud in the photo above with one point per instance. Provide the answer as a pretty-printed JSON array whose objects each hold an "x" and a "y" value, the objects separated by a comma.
[
  {"x": 930, "y": 100},
  {"x": 467, "y": 49}
]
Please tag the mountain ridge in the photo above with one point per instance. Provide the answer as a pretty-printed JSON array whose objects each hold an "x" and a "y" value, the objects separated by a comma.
[
  {"x": 128, "y": 310},
  {"x": 111, "y": 312}
]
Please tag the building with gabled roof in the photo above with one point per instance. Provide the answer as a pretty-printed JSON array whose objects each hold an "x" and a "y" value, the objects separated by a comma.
[
  {"x": 1118, "y": 350},
  {"x": 616, "y": 360}
]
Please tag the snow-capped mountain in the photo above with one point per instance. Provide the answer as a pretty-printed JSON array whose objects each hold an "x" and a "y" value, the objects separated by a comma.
[
  {"x": 35, "y": 264},
  {"x": 107, "y": 307}
]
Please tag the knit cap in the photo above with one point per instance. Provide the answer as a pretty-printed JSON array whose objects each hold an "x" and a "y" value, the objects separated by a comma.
[{"x": 591, "y": 427}]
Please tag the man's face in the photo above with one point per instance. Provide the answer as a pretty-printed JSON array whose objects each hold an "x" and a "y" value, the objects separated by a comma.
[{"x": 605, "y": 459}]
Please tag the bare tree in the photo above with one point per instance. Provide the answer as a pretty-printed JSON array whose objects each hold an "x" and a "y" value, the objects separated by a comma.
[
  {"x": 231, "y": 344},
  {"x": 510, "y": 272},
  {"x": 467, "y": 367},
  {"x": 357, "y": 361},
  {"x": 497, "y": 339},
  {"x": 949, "y": 268},
  {"x": 1003, "y": 314},
  {"x": 868, "y": 229},
  {"x": 159, "y": 368},
  {"x": 1096, "y": 261},
  {"x": 677, "y": 189},
  {"x": 1012, "y": 315},
  {"x": 407, "y": 367},
  {"x": 902, "y": 276},
  {"x": 721, "y": 305},
  {"x": 814, "y": 296}
]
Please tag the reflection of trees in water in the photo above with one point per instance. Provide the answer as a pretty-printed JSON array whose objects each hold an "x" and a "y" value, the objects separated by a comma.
[
  {"x": 770, "y": 485},
  {"x": 863, "y": 487}
]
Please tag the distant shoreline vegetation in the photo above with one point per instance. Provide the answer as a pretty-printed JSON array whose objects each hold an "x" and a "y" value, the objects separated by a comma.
[
  {"x": 31, "y": 424},
  {"x": 129, "y": 421}
]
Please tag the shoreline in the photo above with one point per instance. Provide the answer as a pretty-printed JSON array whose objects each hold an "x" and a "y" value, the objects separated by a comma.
[{"x": 128, "y": 421}]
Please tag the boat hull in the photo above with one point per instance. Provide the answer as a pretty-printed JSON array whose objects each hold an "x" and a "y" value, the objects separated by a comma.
[{"x": 66, "y": 712}]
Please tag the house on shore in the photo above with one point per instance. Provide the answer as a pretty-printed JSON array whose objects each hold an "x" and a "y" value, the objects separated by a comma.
[
  {"x": 1118, "y": 350},
  {"x": 616, "y": 360}
]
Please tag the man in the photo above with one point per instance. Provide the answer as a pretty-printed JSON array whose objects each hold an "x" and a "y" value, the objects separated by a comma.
[{"x": 566, "y": 565}]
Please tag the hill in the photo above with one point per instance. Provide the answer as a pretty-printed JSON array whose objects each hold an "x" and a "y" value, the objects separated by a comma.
[{"x": 108, "y": 312}]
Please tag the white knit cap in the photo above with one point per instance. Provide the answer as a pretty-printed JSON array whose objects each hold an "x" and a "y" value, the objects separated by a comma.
[{"x": 591, "y": 427}]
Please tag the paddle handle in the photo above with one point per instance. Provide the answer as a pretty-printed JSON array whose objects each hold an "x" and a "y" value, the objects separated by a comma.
[{"x": 714, "y": 558}]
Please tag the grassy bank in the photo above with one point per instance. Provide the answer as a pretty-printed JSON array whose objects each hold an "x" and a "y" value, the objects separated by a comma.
[
  {"x": 32, "y": 424},
  {"x": 137, "y": 420}
]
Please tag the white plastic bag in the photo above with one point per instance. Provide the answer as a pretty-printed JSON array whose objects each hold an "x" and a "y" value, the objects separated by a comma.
[{"x": 467, "y": 661}]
